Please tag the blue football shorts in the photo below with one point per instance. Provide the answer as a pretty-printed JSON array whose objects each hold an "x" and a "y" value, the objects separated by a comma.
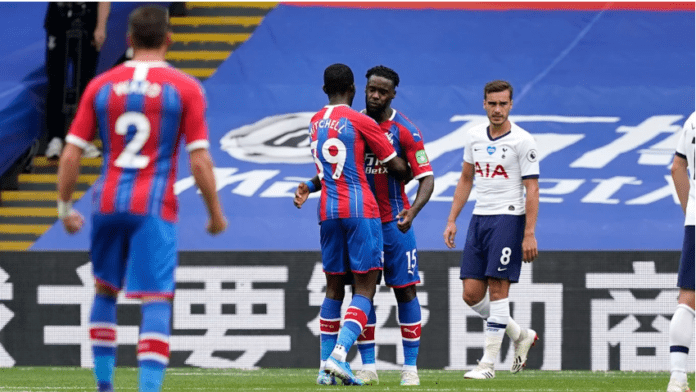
[
  {"x": 400, "y": 256},
  {"x": 493, "y": 248},
  {"x": 138, "y": 252},
  {"x": 351, "y": 244},
  {"x": 685, "y": 280}
]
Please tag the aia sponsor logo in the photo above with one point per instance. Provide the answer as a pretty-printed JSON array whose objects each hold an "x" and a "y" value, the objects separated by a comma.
[{"x": 486, "y": 171}]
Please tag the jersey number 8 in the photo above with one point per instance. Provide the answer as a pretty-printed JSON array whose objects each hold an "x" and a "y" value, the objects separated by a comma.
[
  {"x": 334, "y": 152},
  {"x": 129, "y": 157}
]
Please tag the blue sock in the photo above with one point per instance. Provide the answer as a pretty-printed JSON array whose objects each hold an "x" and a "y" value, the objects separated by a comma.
[
  {"x": 366, "y": 340},
  {"x": 153, "y": 345},
  {"x": 410, "y": 322},
  {"x": 354, "y": 322},
  {"x": 329, "y": 325},
  {"x": 102, "y": 331}
]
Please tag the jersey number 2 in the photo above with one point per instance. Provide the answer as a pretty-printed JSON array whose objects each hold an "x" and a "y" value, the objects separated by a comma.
[{"x": 130, "y": 157}]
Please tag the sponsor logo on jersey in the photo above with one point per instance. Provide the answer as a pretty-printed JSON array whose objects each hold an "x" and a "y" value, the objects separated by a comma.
[
  {"x": 491, "y": 150},
  {"x": 421, "y": 157}
]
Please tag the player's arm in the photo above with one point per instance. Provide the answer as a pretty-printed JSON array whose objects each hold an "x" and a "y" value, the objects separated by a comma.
[
  {"x": 411, "y": 142},
  {"x": 82, "y": 131},
  {"x": 383, "y": 149},
  {"x": 195, "y": 129},
  {"x": 202, "y": 170},
  {"x": 304, "y": 189},
  {"x": 680, "y": 176},
  {"x": 529, "y": 242},
  {"x": 461, "y": 195},
  {"x": 68, "y": 170},
  {"x": 425, "y": 190},
  {"x": 103, "y": 10}
]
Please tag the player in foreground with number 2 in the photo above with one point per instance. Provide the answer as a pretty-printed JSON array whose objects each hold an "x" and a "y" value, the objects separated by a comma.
[
  {"x": 142, "y": 109},
  {"x": 351, "y": 228},
  {"x": 504, "y": 160}
]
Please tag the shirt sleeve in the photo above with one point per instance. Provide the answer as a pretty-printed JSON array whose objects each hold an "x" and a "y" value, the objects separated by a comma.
[
  {"x": 412, "y": 144},
  {"x": 195, "y": 127},
  {"x": 681, "y": 144},
  {"x": 468, "y": 156},
  {"x": 84, "y": 126},
  {"x": 528, "y": 158},
  {"x": 376, "y": 139}
]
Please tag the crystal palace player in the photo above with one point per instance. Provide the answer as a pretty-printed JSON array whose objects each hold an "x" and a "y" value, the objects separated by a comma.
[
  {"x": 400, "y": 256},
  {"x": 351, "y": 236},
  {"x": 503, "y": 158},
  {"x": 681, "y": 328},
  {"x": 142, "y": 109}
]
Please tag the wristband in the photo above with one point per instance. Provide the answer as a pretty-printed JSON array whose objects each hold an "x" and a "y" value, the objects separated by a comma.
[
  {"x": 64, "y": 209},
  {"x": 311, "y": 186}
]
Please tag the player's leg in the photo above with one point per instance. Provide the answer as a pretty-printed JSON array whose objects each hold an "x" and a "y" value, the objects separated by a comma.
[
  {"x": 330, "y": 323},
  {"x": 682, "y": 325},
  {"x": 366, "y": 348},
  {"x": 108, "y": 265},
  {"x": 150, "y": 276},
  {"x": 505, "y": 263},
  {"x": 409, "y": 312},
  {"x": 333, "y": 253},
  {"x": 364, "y": 243},
  {"x": 402, "y": 274}
]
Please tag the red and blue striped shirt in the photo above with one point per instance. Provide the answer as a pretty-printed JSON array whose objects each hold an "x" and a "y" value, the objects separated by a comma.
[
  {"x": 408, "y": 143},
  {"x": 339, "y": 136},
  {"x": 141, "y": 109}
]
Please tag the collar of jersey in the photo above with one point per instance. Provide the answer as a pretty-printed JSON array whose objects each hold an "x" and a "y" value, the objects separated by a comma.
[
  {"x": 334, "y": 106},
  {"x": 149, "y": 64},
  {"x": 488, "y": 133}
]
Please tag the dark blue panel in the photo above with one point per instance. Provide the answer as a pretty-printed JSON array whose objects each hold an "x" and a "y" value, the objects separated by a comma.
[{"x": 602, "y": 92}]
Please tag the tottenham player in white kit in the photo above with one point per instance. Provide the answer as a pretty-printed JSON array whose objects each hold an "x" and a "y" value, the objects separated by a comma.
[
  {"x": 503, "y": 159},
  {"x": 681, "y": 328}
]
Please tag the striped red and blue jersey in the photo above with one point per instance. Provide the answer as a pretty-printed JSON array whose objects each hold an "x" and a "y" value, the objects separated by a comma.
[
  {"x": 408, "y": 143},
  {"x": 141, "y": 109},
  {"x": 339, "y": 136}
]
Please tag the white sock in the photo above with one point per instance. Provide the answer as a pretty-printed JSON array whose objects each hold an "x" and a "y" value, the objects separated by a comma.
[
  {"x": 513, "y": 329},
  {"x": 483, "y": 308},
  {"x": 680, "y": 332},
  {"x": 495, "y": 329},
  {"x": 408, "y": 368},
  {"x": 339, "y": 352},
  {"x": 322, "y": 365},
  {"x": 370, "y": 367}
]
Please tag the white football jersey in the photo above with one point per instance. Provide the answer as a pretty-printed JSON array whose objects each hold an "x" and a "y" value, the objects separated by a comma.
[
  {"x": 500, "y": 166},
  {"x": 685, "y": 149}
]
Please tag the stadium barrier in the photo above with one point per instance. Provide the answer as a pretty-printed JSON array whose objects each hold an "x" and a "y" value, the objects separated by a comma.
[{"x": 592, "y": 310}]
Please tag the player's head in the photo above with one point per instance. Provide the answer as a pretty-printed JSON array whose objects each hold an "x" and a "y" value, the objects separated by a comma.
[
  {"x": 148, "y": 27},
  {"x": 338, "y": 80},
  {"x": 380, "y": 89},
  {"x": 497, "y": 101}
]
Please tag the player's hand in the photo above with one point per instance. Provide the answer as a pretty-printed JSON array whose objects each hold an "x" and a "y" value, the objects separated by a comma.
[
  {"x": 529, "y": 248},
  {"x": 73, "y": 222},
  {"x": 301, "y": 195},
  {"x": 99, "y": 38},
  {"x": 404, "y": 220},
  {"x": 450, "y": 232},
  {"x": 217, "y": 224}
]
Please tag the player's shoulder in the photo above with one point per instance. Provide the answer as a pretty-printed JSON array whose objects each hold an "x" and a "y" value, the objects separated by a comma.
[
  {"x": 403, "y": 121},
  {"x": 690, "y": 122},
  {"x": 520, "y": 133},
  {"x": 478, "y": 131}
]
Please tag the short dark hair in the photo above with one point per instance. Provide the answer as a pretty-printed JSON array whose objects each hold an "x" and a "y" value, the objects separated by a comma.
[
  {"x": 497, "y": 86},
  {"x": 337, "y": 79},
  {"x": 148, "y": 26},
  {"x": 384, "y": 72}
]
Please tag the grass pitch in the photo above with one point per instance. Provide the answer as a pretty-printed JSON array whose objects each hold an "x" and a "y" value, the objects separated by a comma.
[{"x": 62, "y": 379}]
